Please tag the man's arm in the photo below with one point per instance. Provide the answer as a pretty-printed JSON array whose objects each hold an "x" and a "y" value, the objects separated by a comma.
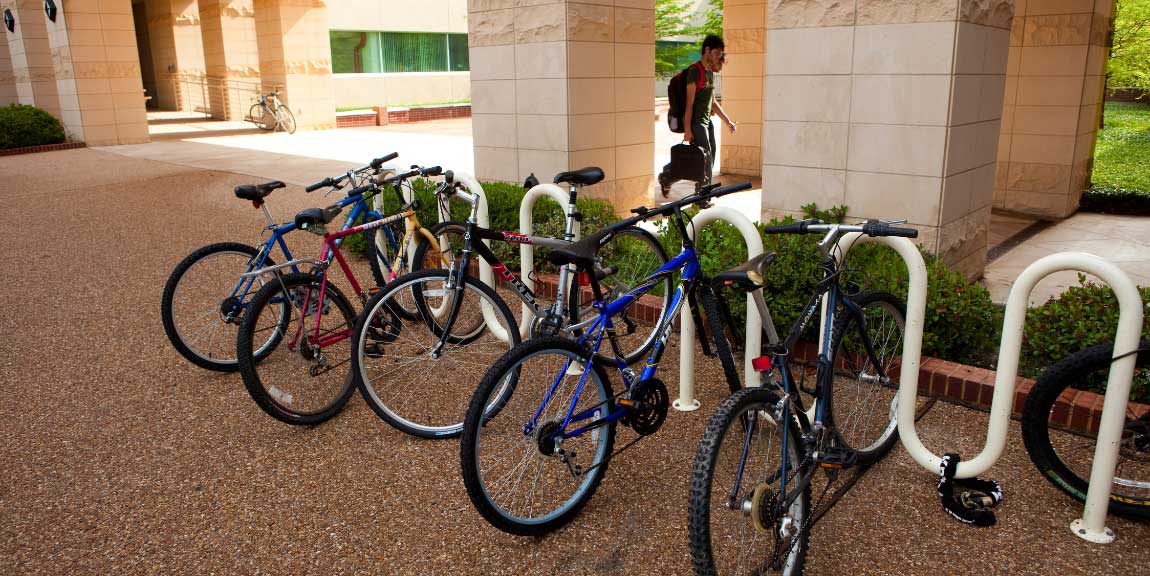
[
  {"x": 690, "y": 106},
  {"x": 717, "y": 109}
]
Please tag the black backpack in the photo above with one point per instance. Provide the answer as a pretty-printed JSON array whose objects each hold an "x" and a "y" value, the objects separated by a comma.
[{"x": 677, "y": 96}]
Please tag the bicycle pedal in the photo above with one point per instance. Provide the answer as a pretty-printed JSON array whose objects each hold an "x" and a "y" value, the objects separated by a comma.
[{"x": 837, "y": 458}]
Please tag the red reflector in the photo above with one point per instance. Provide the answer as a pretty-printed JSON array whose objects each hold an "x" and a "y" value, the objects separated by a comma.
[
  {"x": 761, "y": 364},
  {"x": 256, "y": 203},
  {"x": 584, "y": 279}
]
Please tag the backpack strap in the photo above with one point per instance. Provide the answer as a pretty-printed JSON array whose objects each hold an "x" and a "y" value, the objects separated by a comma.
[{"x": 702, "y": 75}]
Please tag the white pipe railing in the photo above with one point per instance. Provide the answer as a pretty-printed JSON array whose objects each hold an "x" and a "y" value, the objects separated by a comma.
[
  {"x": 527, "y": 251},
  {"x": 1092, "y": 525},
  {"x": 485, "y": 272},
  {"x": 686, "y": 401}
]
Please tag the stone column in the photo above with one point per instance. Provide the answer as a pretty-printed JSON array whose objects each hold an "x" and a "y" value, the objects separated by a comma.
[
  {"x": 561, "y": 85},
  {"x": 891, "y": 108},
  {"x": 177, "y": 53},
  {"x": 744, "y": 34},
  {"x": 98, "y": 72},
  {"x": 231, "y": 55},
  {"x": 295, "y": 56},
  {"x": 1052, "y": 105},
  {"x": 31, "y": 56},
  {"x": 8, "y": 93}
]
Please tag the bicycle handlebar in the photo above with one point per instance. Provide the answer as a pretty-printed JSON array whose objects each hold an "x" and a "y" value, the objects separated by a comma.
[
  {"x": 709, "y": 192},
  {"x": 378, "y": 162},
  {"x": 870, "y": 228},
  {"x": 330, "y": 182}
]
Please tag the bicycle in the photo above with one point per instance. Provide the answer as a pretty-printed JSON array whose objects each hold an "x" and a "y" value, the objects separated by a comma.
[
  {"x": 455, "y": 307},
  {"x": 308, "y": 297},
  {"x": 270, "y": 113},
  {"x": 202, "y": 296},
  {"x": 750, "y": 505},
  {"x": 532, "y": 424},
  {"x": 1065, "y": 459}
]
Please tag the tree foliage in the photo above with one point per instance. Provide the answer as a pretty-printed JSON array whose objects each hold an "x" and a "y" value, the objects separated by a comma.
[
  {"x": 673, "y": 20},
  {"x": 1129, "y": 65}
]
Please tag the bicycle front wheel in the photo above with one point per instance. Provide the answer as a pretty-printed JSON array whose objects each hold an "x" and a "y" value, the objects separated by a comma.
[
  {"x": 285, "y": 120},
  {"x": 864, "y": 405},
  {"x": 521, "y": 472},
  {"x": 307, "y": 378},
  {"x": 409, "y": 381},
  {"x": 634, "y": 254},
  {"x": 739, "y": 520},
  {"x": 258, "y": 114},
  {"x": 1065, "y": 457},
  {"x": 204, "y": 302}
]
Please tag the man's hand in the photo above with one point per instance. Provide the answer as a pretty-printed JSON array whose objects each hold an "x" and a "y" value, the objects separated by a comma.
[
  {"x": 731, "y": 126},
  {"x": 687, "y": 134}
]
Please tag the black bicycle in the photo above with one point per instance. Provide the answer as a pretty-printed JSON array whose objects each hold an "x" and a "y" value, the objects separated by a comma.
[{"x": 750, "y": 506}]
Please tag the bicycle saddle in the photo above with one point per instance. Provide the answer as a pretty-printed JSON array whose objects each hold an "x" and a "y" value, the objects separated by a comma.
[
  {"x": 581, "y": 253},
  {"x": 257, "y": 191},
  {"x": 315, "y": 218},
  {"x": 582, "y": 177},
  {"x": 747, "y": 276}
]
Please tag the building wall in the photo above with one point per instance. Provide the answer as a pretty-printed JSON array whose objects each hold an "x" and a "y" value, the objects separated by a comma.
[
  {"x": 399, "y": 15},
  {"x": 401, "y": 89}
]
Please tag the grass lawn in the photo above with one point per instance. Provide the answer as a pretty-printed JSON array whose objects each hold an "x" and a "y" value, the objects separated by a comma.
[{"x": 1122, "y": 154}]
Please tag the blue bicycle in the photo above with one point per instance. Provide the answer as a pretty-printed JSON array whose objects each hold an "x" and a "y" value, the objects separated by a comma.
[
  {"x": 540, "y": 429},
  {"x": 206, "y": 295}
]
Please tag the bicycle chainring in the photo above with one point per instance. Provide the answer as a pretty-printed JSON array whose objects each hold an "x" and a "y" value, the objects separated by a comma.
[
  {"x": 548, "y": 325},
  {"x": 650, "y": 402}
]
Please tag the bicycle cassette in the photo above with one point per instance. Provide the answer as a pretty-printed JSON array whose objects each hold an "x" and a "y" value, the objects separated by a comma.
[{"x": 649, "y": 402}]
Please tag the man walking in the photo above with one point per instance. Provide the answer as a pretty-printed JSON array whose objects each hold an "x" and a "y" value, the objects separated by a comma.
[{"x": 700, "y": 105}]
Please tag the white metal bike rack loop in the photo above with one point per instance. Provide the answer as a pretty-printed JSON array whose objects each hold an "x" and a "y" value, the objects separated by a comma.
[
  {"x": 527, "y": 251},
  {"x": 485, "y": 272},
  {"x": 686, "y": 401},
  {"x": 1092, "y": 525}
]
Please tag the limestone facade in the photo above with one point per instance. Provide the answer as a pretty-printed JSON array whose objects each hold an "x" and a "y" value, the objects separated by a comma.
[
  {"x": 1052, "y": 105},
  {"x": 744, "y": 34},
  {"x": 559, "y": 84},
  {"x": 30, "y": 55}
]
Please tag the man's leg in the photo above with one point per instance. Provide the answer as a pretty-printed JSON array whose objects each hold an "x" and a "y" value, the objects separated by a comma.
[
  {"x": 701, "y": 137},
  {"x": 714, "y": 152}
]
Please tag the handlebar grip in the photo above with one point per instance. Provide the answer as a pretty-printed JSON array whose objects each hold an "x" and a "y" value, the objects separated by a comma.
[
  {"x": 876, "y": 228},
  {"x": 375, "y": 164},
  {"x": 731, "y": 189},
  {"x": 640, "y": 210},
  {"x": 360, "y": 190},
  {"x": 796, "y": 228},
  {"x": 432, "y": 171},
  {"x": 321, "y": 184}
]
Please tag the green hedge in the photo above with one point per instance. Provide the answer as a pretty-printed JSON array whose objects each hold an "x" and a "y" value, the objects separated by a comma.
[{"x": 22, "y": 126}]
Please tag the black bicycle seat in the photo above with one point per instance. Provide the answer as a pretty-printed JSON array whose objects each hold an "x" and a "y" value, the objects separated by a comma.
[
  {"x": 581, "y": 253},
  {"x": 749, "y": 275},
  {"x": 316, "y": 217},
  {"x": 582, "y": 177},
  {"x": 257, "y": 191}
]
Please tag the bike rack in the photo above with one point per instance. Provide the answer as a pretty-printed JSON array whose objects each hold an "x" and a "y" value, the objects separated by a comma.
[
  {"x": 686, "y": 401},
  {"x": 527, "y": 251},
  {"x": 485, "y": 272},
  {"x": 1092, "y": 525}
]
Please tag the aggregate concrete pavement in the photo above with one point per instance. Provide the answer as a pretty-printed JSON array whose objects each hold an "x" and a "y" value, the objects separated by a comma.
[{"x": 121, "y": 457}]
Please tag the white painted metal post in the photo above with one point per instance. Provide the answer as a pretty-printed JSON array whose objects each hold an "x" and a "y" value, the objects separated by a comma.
[
  {"x": 485, "y": 273},
  {"x": 686, "y": 401},
  {"x": 527, "y": 251}
]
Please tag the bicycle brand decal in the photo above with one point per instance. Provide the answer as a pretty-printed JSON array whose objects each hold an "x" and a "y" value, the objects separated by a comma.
[{"x": 516, "y": 238}]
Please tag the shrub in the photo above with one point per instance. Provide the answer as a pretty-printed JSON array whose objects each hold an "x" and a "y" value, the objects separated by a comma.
[{"x": 22, "y": 126}]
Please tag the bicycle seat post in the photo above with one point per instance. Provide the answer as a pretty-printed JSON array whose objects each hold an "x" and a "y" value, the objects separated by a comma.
[
  {"x": 572, "y": 210},
  {"x": 268, "y": 215}
]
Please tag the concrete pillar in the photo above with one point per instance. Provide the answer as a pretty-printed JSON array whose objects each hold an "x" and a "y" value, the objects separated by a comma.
[
  {"x": 97, "y": 72},
  {"x": 295, "y": 56},
  {"x": 8, "y": 93},
  {"x": 177, "y": 54},
  {"x": 562, "y": 85},
  {"x": 231, "y": 55},
  {"x": 891, "y": 108},
  {"x": 744, "y": 34},
  {"x": 1051, "y": 109},
  {"x": 31, "y": 56}
]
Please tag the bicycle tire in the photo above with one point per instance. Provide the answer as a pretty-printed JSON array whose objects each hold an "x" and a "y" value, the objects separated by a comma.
[
  {"x": 702, "y": 534},
  {"x": 441, "y": 231},
  {"x": 706, "y": 297},
  {"x": 875, "y": 445},
  {"x": 257, "y": 115},
  {"x": 285, "y": 118},
  {"x": 277, "y": 402},
  {"x": 1135, "y": 445},
  {"x": 479, "y": 425},
  {"x": 391, "y": 340},
  {"x": 619, "y": 253},
  {"x": 168, "y": 305}
]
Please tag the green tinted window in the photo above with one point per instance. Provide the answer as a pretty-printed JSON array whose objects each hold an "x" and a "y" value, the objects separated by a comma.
[
  {"x": 355, "y": 52},
  {"x": 457, "y": 53},
  {"x": 414, "y": 52},
  {"x": 367, "y": 52}
]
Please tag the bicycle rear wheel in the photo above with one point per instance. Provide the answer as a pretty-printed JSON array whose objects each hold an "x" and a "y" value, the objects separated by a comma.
[
  {"x": 307, "y": 378},
  {"x": 285, "y": 120},
  {"x": 1065, "y": 457},
  {"x": 739, "y": 522},
  {"x": 259, "y": 115},
  {"x": 204, "y": 302},
  {"x": 514, "y": 474},
  {"x": 635, "y": 254},
  {"x": 864, "y": 406},
  {"x": 409, "y": 387}
]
